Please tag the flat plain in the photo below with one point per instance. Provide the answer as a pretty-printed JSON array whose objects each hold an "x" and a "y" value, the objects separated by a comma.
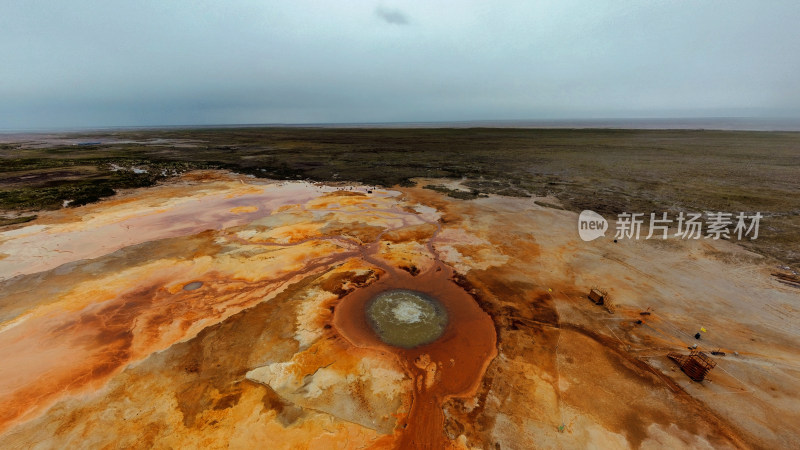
[{"x": 165, "y": 288}]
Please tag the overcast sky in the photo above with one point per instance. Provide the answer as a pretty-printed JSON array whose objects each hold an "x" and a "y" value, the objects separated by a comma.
[{"x": 84, "y": 63}]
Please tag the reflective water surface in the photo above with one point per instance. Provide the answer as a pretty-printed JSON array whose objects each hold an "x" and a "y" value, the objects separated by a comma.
[{"x": 406, "y": 318}]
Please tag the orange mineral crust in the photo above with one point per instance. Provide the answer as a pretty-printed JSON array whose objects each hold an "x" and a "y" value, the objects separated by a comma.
[
  {"x": 219, "y": 311},
  {"x": 451, "y": 366}
]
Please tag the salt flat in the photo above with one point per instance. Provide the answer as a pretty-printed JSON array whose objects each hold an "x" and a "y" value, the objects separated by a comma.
[{"x": 102, "y": 346}]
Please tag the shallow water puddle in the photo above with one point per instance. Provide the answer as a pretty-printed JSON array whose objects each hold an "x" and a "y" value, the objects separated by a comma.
[{"x": 405, "y": 318}]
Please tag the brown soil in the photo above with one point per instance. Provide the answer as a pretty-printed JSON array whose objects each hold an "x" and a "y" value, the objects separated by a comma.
[
  {"x": 451, "y": 366},
  {"x": 102, "y": 347}
]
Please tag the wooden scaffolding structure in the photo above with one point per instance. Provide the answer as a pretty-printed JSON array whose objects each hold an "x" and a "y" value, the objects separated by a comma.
[{"x": 696, "y": 364}]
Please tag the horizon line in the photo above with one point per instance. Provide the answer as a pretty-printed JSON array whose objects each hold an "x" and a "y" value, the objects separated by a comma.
[{"x": 734, "y": 123}]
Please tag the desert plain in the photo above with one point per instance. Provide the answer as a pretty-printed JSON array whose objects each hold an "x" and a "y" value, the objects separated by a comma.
[{"x": 221, "y": 304}]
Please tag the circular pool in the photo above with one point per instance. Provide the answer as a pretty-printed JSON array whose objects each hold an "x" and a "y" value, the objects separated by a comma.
[{"x": 406, "y": 318}]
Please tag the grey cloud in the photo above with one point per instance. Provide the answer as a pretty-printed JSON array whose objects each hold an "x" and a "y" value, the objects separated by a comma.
[
  {"x": 116, "y": 62},
  {"x": 392, "y": 16}
]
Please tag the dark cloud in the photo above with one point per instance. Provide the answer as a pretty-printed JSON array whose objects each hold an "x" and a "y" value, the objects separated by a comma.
[
  {"x": 86, "y": 63},
  {"x": 392, "y": 16}
]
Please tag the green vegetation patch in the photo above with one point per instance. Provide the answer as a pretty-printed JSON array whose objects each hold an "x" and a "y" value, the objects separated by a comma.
[{"x": 16, "y": 220}]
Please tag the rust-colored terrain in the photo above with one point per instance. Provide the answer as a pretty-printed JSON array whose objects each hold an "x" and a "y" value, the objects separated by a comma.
[{"x": 106, "y": 340}]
